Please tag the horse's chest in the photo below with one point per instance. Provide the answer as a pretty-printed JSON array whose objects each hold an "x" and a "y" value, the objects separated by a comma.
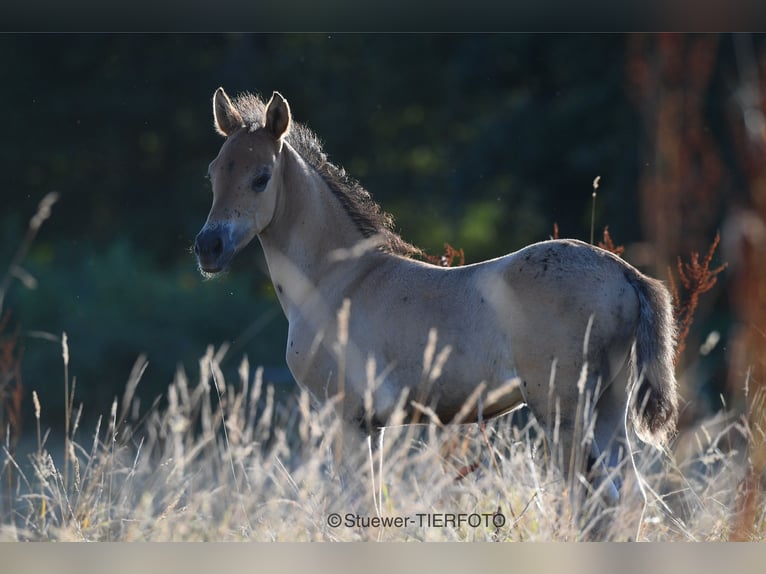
[{"x": 304, "y": 347}]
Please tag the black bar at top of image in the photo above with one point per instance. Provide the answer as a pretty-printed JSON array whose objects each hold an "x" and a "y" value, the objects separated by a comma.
[{"x": 379, "y": 16}]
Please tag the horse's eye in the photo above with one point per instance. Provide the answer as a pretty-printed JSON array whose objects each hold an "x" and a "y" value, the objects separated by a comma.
[{"x": 261, "y": 181}]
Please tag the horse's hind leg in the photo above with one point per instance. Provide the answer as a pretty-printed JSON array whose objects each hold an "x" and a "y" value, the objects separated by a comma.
[
  {"x": 580, "y": 445},
  {"x": 609, "y": 444},
  {"x": 608, "y": 451},
  {"x": 556, "y": 410},
  {"x": 609, "y": 432}
]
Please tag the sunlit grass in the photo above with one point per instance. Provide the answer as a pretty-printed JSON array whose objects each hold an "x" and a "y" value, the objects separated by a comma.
[{"x": 226, "y": 461}]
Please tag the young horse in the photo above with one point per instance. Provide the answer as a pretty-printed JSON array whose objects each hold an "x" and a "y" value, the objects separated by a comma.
[{"x": 586, "y": 335}]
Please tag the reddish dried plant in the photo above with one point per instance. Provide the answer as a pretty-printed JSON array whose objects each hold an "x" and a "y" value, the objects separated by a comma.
[
  {"x": 448, "y": 258},
  {"x": 11, "y": 389},
  {"x": 608, "y": 245},
  {"x": 697, "y": 278}
]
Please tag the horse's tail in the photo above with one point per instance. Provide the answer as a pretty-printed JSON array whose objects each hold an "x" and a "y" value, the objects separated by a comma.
[{"x": 654, "y": 408}]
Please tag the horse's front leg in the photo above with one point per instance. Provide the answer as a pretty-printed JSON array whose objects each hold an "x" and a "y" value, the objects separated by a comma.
[{"x": 356, "y": 457}]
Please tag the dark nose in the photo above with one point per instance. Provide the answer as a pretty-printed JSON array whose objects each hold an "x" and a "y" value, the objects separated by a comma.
[
  {"x": 209, "y": 248},
  {"x": 209, "y": 244}
]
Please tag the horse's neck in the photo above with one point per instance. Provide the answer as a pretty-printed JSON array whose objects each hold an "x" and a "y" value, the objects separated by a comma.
[{"x": 309, "y": 228}]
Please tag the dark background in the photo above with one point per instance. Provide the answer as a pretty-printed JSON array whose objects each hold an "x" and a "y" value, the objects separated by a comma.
[{"x": 483, "y": 141}]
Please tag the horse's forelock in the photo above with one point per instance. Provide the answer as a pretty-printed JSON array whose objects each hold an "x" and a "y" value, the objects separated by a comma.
[{"x": 252, "y": 109}]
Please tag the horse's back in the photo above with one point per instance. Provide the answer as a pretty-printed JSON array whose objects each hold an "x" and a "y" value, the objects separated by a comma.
[{"x": 566, "y": 280}]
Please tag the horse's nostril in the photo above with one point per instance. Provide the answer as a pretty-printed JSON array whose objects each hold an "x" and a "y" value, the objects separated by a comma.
[{"x": 208, "y": 243}]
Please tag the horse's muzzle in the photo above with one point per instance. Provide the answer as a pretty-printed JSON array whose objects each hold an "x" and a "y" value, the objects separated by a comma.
[{"x": 213, "y": 248}]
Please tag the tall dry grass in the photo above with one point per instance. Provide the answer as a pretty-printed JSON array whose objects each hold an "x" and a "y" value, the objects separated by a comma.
[{"x": 226, "y": 460}]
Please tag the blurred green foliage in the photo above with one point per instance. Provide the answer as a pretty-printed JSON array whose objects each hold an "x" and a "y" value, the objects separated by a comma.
[
  {"x": 482, "y": 141},
  {"x": 115, "y": 304}
]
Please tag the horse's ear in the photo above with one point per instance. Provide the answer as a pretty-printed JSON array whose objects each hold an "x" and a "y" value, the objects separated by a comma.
[
  {"x": 225, "y": 116},
  {"x": 277, "y": 115}
]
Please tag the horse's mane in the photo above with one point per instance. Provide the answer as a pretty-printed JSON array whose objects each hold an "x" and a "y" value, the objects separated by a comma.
[{"x": 367, "y": 215}]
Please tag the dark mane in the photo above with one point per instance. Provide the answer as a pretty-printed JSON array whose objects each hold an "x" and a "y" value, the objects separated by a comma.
[{"x": 367, "y": 215}]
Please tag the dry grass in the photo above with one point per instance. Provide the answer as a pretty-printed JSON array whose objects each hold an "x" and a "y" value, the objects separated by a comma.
[{"x": 226, "y": 461}]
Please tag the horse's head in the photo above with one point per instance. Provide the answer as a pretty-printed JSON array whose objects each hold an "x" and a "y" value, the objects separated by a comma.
[{"x": 243, "y": 180}]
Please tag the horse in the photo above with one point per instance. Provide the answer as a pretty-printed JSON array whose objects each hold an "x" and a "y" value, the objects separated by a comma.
[{"x": 567, "y": 329}]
